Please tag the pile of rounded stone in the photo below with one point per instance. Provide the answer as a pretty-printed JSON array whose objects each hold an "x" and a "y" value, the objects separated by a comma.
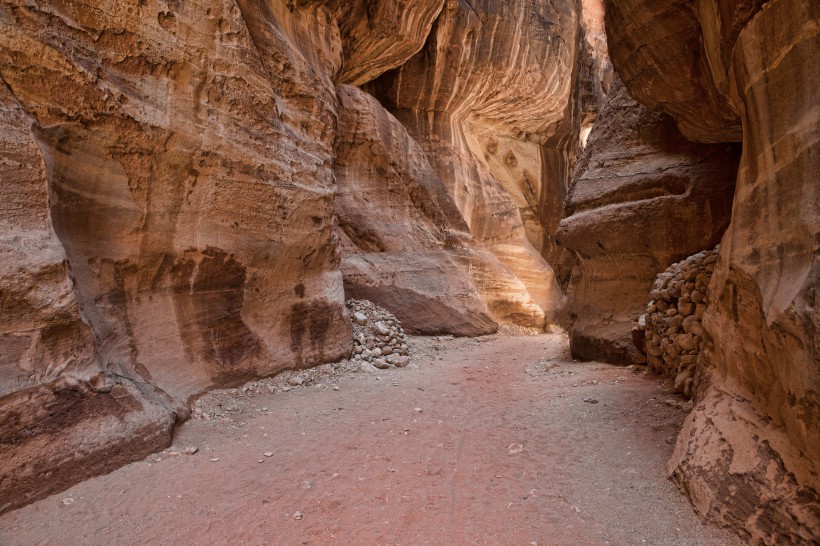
[
  {"x": 378, "y": 338},
  {"x": 672, "y": 323}
]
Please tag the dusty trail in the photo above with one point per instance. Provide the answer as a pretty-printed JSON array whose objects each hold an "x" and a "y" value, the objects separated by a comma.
[{"x": 363, "y": 466}]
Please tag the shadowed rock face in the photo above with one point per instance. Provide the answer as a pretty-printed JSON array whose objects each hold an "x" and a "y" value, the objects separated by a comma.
[
  {"x": 169, "y": 177},
  {"x": 190, "y": 190},
  {"x": 749, "y": 454},
  {"x": 401, "y": 235},
  {"x": 646, "y": 36},
  {"x": 378, "y": 35},
  {"x": 642, "y": 197}
]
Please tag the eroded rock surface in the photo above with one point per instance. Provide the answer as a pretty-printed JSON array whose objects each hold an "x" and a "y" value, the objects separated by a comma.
[
  {"x": 378, "y": 35},
  {"x": 665, "y": 53},
  {"x": 173, "y": 173},
  {"x": 491, "y": 121},
  {"x": 758, "y": 419},
  {"x": 401, "y": 234},
  {"x": 188, "y": 179},
  {"x": 642, "y": 197},
  {"x": 170, "y": 175}
]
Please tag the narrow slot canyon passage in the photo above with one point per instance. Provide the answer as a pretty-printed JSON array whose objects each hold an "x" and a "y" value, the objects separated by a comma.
[
  {"x": 501, "y": 439},
  {"x": 443, "y": 272}
]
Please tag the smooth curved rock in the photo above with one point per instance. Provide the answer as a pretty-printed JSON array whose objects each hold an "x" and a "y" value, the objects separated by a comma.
[
  {"x": 57, "y": 403},
  {"x": 397, "y": 225},
  {"x": 664, "y": 59},
  {"x": 764, "y": 325},
  {"x": 479, "y": 101},
  {"x": 186, "y": 152},
  {"x": 379, "y": 35},
  {"x": 761, "y": 331}
]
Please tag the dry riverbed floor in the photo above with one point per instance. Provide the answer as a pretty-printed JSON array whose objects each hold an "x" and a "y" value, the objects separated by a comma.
[{"x": 501, "y": 440}]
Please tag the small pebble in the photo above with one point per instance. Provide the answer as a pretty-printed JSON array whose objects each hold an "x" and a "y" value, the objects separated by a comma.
[{"x": 297, "y": 515}]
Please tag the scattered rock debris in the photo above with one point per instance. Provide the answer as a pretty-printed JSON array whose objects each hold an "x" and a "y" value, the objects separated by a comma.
[
  {"x": 379, "y": 343},
  {"x": 378, "y": 338},
  {"x": 671, "y": 328}
]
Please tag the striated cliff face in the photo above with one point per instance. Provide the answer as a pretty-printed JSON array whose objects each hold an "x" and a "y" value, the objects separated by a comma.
[
  {"x": 191, "y": 190},
  {"x": 749, "y": 454},
  {"x": 185, "y": 230},
  {"x": 402, "y": 238},
  {"x": 496, "y": 126}
]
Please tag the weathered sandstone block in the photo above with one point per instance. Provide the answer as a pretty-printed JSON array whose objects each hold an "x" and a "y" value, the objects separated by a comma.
[
  {"x": 397, "y": 226},
  {"x": 642, "y": 197}
]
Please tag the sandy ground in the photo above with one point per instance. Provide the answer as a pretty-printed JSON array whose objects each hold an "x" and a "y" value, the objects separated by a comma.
[{"x": 486, "y": 441}]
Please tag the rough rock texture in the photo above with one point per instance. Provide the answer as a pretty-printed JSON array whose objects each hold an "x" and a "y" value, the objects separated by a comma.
[
  {"x": 488, "y": 100},
  {"x": 665, "y": 59},
  {"x": 642, "y": 197},
  {"x": 401, "y": 234},
  {"x": 378, "y": 35},
  {"x": 750, "y": 453},
  {"x": 670, "y": 333},
  {"x": 378, "y": 338},
  {"x": 188, "y": 179},
  {"x": 59, "y": 412},
  {"x": 169, "y": 176}
]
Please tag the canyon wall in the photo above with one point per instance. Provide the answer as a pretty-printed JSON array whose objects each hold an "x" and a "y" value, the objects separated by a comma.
[
  {"x": 642, "y": 197},
  {"x": 748, "y": 455},
  {"x": 191, "y": 190},
  {"x": 489, "y": 99},
  {"x": 185, "y": 235},
  {"x": 402, "y": 237}
]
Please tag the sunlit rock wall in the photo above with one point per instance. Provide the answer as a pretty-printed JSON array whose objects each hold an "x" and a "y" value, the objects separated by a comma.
[{"x": 489, "y": 100}]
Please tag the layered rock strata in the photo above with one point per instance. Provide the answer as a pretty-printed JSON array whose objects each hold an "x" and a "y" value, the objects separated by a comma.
[
  {"x": 189, "y": 183},
  {"x": 168, "y": 216},
  {"x": 642, "y": 197},
  {"x": 403, "y": 241},
  {"x": 645, "y": 36},
  {"x": 495, "y": 126},
  {"x": 378, "y": 35},
  {"x": 748, "y": 456},
  {"x": 671, "y": 330}
]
